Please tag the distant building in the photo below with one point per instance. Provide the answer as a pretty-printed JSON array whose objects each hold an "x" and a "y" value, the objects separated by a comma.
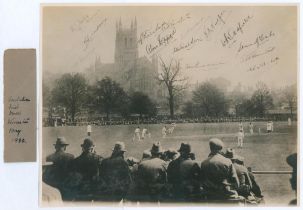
[
  {"x": 281, "y": 114},
  {"x": 132, "y": 72}
]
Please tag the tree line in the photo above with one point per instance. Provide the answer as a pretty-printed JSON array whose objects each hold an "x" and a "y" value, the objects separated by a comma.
[
  {"x": 208, "y": 99},
  {"x": 106, "y": 96}
]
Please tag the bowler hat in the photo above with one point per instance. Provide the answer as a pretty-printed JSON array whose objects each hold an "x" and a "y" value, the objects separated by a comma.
[
  {"x": 119, "y": 147},
  {"x": 87, "y": 143},
  {"x": 185, "y": 147},
  {"x": 61, "y": 142},
  {"x": 156, "y": 148},
  {"x": 215, "y": 144}
]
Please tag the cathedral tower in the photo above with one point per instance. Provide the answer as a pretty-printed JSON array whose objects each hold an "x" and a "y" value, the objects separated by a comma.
[{"x": 126, "y": 46}]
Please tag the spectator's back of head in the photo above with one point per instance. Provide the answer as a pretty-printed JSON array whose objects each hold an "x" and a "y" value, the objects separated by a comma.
[
  {"x": 156, "y": 149},
  {"x": 146, "y": 154},
  {"x": 215, "y": 145}
]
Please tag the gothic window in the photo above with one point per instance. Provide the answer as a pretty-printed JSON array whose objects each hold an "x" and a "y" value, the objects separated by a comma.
[
  {"x": 131, "y": 42},
  {"x": 125, "y": 40}
]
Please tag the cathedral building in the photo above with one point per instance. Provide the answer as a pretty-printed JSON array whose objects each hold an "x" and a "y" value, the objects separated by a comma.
[{"x": 132, "y": 72}]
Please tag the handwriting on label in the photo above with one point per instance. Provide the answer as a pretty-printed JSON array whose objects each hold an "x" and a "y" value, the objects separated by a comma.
[{"x": 16, "y": 119}]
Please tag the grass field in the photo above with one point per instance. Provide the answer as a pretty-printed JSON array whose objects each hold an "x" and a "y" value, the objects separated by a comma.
[{"x": 261, "y": 151}]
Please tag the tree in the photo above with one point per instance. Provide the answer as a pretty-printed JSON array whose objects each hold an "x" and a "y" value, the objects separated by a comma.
[
  {"x": 189, "y": 109},
  {"x": 70, "y": 92},
  {"x": 240, "y": 100},
  {"x": 245, "y": 108},
  {"x": 141, "y": 104},
  {"x": 261, "y": 99},
  {"x": 209, "y": 100},
  {"x": 290, "y": 95},
  {"x": 221, "y": 83},
  {"x": 48, "y": 101},
  {"x": 109, "y": 97},
  {"x": 171, "y": 76}
]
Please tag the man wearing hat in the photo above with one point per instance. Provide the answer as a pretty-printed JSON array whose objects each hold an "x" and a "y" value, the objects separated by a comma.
[
  {"x": 169, "y": 155},
  {"x": 88, "y": 163},
  {"x": 292, "y": 161},
  {"x": 58, "y": 171},
  {"x": 60, "y": 156},
  {"x": 115, "y": 174},
  {"x": 61, "y": 159},
  {"x": 86, "y": 170},
  {"x": 146, "y": 155},
  {"x": 218, "y": 175},
  {"x": 152, "y": 177},
  {"x": 183, "y": 176},
  {"x": 245, "y": 184}
]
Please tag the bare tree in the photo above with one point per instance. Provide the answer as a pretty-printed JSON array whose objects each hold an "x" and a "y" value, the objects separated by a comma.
[{"x": 173, "y": 79}]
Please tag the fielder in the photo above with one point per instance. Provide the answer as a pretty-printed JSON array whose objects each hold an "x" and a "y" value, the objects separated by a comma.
[
  {"x": 144, "y": 132},
  {"x": 137, "y": 134},
  {"x": 240, "y": 137},
  {"x": 164, "y": 130},
  {"x": 269, "y": 127},
  {"x": 251, "y": 128},
  {"x": 241, "y": 127},
  {"x": 171, "y": 129}
]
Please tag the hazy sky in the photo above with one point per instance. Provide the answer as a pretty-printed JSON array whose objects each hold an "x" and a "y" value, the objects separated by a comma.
[{"x": 242, "y": 44}]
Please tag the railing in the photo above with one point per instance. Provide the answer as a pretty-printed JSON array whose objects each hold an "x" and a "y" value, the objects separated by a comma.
[{"x": 272, "y": 172}]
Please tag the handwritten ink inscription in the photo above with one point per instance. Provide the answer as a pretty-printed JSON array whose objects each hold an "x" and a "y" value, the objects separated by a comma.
[
  {"x": 162, "y": 40},
  {"x": 90, "y": 36},
  {"x": 230, "y": 36},
  {"x": 262, "y": 65},
  {"x": 16, "y": 119},
  {"x": 204, "y": 67}
]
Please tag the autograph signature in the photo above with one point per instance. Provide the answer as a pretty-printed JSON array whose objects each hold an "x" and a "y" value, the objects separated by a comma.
[
  {"x": 161, "y": 27},
  {"x": 89, "y": 37},
  {"x": 230, "y": 36},
  {"x": 259, "y": 40}
]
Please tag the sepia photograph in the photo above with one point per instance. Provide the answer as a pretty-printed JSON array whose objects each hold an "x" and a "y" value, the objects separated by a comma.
[{"x": 169, "y": 104}]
